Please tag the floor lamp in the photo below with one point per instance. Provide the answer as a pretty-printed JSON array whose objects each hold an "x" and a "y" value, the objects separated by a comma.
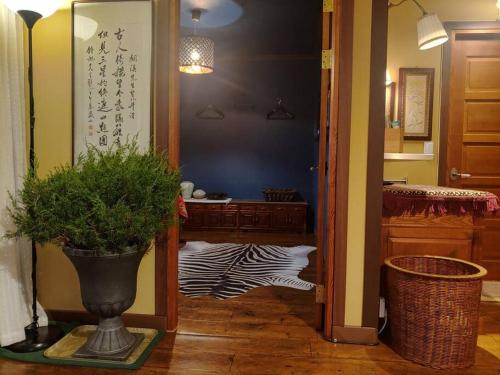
[{"x": 37, "y": 338}]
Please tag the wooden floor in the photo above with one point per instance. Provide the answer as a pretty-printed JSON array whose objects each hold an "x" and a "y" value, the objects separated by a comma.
[{"x": 270, "y": 331}]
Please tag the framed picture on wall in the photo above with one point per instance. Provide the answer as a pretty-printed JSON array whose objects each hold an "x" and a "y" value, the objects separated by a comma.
[
  {"x": 112, "y": 73},
  {"x": 416, "y": 88}
]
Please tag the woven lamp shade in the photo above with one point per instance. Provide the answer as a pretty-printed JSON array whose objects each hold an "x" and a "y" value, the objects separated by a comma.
[
  {"x": 196, "y": 55},
  {"x": 431, "y": 32}
]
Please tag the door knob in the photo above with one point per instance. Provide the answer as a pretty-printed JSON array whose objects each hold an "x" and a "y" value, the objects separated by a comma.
[{"x": 456, "y": 175}]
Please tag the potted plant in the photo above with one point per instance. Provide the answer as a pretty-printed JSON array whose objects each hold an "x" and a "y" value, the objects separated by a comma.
[{"x": 105, "y": 211}]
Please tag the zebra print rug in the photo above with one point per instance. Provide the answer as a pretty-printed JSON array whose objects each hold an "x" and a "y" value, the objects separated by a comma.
[{"x": 229, "y": 270}]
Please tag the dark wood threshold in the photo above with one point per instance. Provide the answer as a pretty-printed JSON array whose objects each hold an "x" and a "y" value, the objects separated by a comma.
[
  {"x": 130, "y": 320},
  {"x": 355, "y": 335}
]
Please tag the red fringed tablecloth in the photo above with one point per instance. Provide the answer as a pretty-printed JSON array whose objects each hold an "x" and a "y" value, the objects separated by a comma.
[
  {"x": 181, "y": 208},
  {"x": 438, "y": 200}
]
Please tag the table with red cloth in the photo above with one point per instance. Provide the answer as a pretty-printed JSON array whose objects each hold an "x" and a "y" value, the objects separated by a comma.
[
  {"x": 181, "y": 208},
  {"x": 413, "y": 199}
]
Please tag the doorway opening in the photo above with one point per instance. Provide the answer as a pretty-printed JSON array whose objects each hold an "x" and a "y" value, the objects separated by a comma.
[{"x": 251, "y": 124}]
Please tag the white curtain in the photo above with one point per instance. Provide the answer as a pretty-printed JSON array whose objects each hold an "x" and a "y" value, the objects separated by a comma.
[{"x": 15, "y": 255}]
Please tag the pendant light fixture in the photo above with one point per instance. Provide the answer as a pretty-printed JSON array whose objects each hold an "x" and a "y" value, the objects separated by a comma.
[
  {"x": 430, "y": 30},
  {"x": 196, "y": 53}
]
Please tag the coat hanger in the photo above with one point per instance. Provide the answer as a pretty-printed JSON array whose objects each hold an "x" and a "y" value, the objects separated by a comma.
[
  {"x": 210, "y": 112},
  {"x": 280, "y": 112}
]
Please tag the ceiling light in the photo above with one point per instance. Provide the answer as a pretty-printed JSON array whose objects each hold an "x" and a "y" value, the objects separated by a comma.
[{"x": 196, "y": 53}]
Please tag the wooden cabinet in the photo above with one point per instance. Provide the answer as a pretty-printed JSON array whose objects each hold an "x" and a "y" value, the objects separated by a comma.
[
  {"x": 248, "y": 216},
  {"x": 450, "y": 236}
]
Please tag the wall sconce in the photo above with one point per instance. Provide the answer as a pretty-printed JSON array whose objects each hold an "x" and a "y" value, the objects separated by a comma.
[
  {"x": 388, "y": 78},
  {"x": 430, "y": 30}
]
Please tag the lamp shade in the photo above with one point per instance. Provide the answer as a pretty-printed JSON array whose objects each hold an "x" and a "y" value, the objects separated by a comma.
[
  {"x": 431, "y": 32},
  {"x": 84, "y": 27},
  {"x": 196, "y": 55},
  {"x": 43, "y": 7}
]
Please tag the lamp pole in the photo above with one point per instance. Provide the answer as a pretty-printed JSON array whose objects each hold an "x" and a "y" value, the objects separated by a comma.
[{"x": 37, "y": 338}]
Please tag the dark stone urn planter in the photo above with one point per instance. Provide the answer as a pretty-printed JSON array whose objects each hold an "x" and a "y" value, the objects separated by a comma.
[{"x": 108, "y": 286}]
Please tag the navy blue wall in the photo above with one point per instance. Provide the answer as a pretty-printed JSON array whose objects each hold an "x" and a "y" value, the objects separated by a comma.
[{"x": 245, "y": 152}]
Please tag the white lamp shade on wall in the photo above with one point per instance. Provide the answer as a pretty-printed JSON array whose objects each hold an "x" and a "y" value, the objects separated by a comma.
[
  {"x": 43, "y": 7},
  {"x": 84, "y": 27},
  {"x": 431, "y": 32},
  {"x": 196, "y": 55},
  {"x": 388, "y": 78}
]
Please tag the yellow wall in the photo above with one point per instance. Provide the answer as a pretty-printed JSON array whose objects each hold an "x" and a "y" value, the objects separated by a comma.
[
  {"x": 403, "y": 52},
  {"x": 58, "y": 282},
  {"x": 358, "y": 162}
]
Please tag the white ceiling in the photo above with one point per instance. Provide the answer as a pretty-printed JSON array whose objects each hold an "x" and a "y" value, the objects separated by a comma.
[{"x": 216, "y": 13}]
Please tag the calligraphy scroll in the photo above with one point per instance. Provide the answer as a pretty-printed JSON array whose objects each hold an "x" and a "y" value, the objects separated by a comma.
[{"x": 112, "y": 54}]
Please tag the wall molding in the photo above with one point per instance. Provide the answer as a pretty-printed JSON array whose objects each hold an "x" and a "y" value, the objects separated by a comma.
[
  {"x": 355, "y": 335},
  {"x": 130, "y": 320}
]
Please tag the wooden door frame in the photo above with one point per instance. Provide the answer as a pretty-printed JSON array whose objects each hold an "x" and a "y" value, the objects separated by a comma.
[
  {"x": 368, "y": 332},
  {"x": 338, "y": 162},
  {"x": 451, "y": 28},
  {"x": 167, "y": 139},
  {"x": 375, "y": 167}
]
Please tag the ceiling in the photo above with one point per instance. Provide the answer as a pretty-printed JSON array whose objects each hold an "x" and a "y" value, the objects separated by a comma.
[{"x": 268, "y": 27}]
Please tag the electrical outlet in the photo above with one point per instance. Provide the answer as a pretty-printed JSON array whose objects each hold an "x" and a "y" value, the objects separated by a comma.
[{"x": 381, "y": 308}]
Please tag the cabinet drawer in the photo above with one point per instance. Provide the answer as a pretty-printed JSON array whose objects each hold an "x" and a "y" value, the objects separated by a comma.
[
  {"x": 214, "y": 207},
  {"x": 230, "y": 207},
  {"x": 247, "y": 207},
  {"x": 299, "y": 210},
  {"x": 195, "y": 206},
  {"x": 263, "y": 208},
  {"x": 277, "y": 208},
  {"x": 461, "y": 249}
]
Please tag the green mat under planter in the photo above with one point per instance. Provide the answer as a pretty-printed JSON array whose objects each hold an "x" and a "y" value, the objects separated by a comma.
[{"x": 75, "y": 335}]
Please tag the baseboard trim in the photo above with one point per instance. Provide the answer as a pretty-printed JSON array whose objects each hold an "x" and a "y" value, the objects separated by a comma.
[
  {"x": 130, "y": 320},
  {"x": 355, "y": 335}
]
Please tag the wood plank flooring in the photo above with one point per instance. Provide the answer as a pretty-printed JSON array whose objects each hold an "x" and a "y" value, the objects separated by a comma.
[{"x": 270, "y": 331}]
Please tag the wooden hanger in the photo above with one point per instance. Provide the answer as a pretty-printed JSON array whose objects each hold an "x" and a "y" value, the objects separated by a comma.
[
  {"x": 210, "y": 112},
  {"x": 280, "y": 112}
]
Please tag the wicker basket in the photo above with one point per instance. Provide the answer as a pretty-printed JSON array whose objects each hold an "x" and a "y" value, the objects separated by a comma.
[
  {"x": 279, "y": 195},
  {"x": 433, "y": 305}
]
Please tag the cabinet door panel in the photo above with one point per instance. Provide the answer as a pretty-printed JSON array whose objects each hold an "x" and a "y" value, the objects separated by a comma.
[
  {"x": 280, "y": 219},
  {"x": 229, "y": 220},
  {"x": 421, "y": 246},
  {"x": 212, "y": 219},
  {"x": 263, "y": 220},
  {"x": 195, "y": 219},
  {"x": 246, "y": 219},
  {"x": 297, "y": 220}
]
